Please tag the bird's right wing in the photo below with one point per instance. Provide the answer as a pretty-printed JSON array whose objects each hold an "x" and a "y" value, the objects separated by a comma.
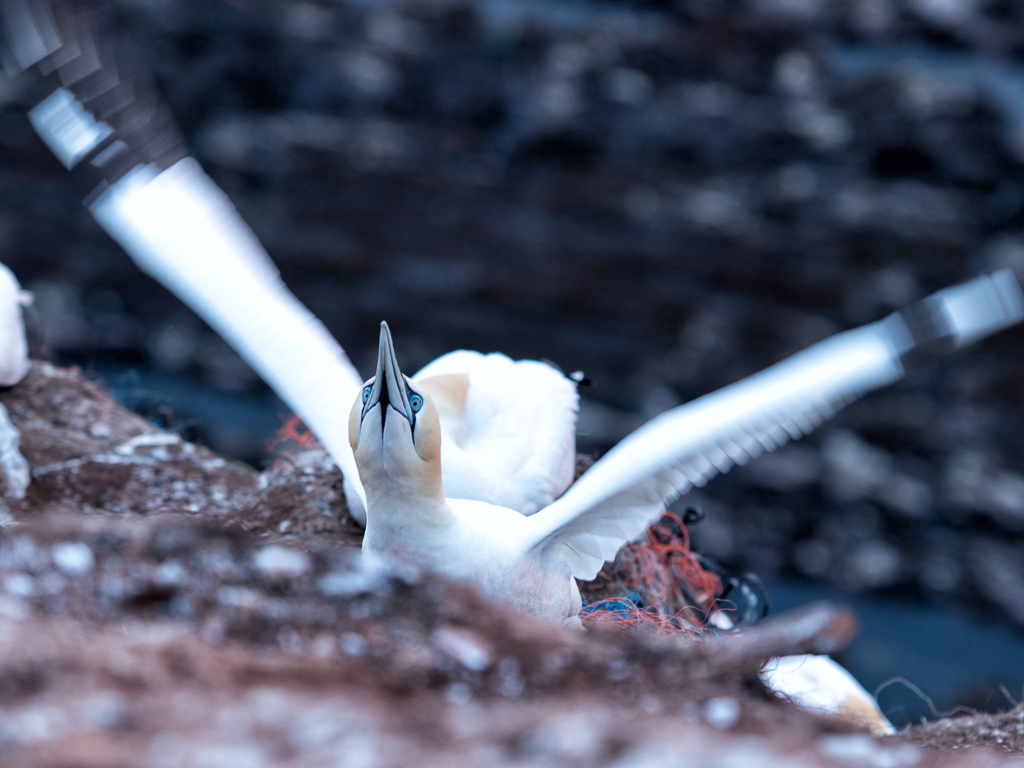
[
  {"x": 102, "y": 117},
  {"x": 631, "y": 485}
]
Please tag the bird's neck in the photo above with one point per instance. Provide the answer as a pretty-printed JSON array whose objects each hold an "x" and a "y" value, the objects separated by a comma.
[
  {"x": 405, "y": 525},
  {"x": 403, "y": 501}
]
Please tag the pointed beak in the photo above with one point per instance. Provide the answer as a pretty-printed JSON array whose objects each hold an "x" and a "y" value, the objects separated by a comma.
[{"x": 389, "y": 385}]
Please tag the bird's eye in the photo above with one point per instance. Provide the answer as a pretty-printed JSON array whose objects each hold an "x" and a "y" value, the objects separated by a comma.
[
  {"x": 415, "y": 402},
  {"x": 366, "y": 392}
]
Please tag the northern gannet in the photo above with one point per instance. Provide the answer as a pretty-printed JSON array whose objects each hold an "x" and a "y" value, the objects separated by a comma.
[
  {"x": 396, "y": 437},
  {"x": 532, "y": 561}
]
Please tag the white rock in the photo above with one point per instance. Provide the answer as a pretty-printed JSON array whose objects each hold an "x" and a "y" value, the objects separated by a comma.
[
  {"x": 278, "y": 561},
  {"x": 353, "y": 644},
  {"x": 723, "y": 712},
  {"x": 819, "y": 684},
  {"x": 14, "y": 362},
  {"x": 73, "y": 557}
]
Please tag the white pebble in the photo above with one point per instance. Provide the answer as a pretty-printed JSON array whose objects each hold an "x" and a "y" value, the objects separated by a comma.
[
  {"x": 468, "y": 648},
  {"x": 723, "y": 712},
  {"x": 100, "y": 430},
  {"x": 862, "y": 750},
  {"x": 459, "y": 694},
  {"x": 353, "y": 644},
  {"x": 19, "y": 584},
  {"x": 347, "y": 583},
  {"x": 278, "y": 561},
  {"x": 73, "y": 557}
]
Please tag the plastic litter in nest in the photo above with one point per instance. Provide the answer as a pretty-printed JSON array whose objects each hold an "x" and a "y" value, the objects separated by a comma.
[
  {"x": 666, "y": 588},
  {"x": 293, "y": 436}
]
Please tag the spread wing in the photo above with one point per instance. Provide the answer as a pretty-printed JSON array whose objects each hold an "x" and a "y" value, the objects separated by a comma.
[
  {"x": 515, "y": 445},
  {"x": 102, "y": 117},
  {"x": 631, "y": 485}
]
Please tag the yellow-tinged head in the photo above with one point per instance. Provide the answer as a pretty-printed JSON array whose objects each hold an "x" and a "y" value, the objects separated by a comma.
[{"x": 395, "y": 433}]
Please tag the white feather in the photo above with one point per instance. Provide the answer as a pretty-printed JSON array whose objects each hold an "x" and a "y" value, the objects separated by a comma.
[
  {"x": 182, "y": 229},
  {"x": 515, "y": 445},
  {"x": 684, "y": 448},
  {"x": 821, "y": 685}
]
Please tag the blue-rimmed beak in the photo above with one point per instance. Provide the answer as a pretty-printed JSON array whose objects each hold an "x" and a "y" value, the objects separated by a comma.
[{"x": 389, "y": 388}]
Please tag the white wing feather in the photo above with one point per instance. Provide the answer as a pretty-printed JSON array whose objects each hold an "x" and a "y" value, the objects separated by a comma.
[
  {"x": 517, "y": 448},
  {"x": 629, "y": 488},
  {"x": 631, "y": 485},
  {"x": 171, "y": 218},
  {"x": 182, "y": 229}
]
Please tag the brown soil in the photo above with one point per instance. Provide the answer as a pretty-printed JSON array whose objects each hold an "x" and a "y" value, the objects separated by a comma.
[
  {"x": 1003, "y": 731},
  {"x": 162, "y": 606}
]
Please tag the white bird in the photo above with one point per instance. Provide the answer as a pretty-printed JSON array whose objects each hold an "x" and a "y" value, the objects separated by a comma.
[
  {"x": 532, "y": 562},
  {"x": 396, "y": 437},
  {"x": 14, "y": 362}
]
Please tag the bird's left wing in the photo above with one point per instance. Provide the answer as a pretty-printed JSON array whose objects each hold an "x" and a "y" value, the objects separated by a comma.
[
  {"x": 102, "y": 117},
  {"x": 631, "y": 485},
  {"x": 516, "y": 444}
]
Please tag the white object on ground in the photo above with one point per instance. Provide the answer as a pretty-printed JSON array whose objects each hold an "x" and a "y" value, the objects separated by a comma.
[
  {"x": 821, "y": 685},
  {"x": 14, "y": 362}
]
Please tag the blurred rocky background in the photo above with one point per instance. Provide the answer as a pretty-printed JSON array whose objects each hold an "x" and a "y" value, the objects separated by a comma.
[{"x": 667, "y": 195}]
